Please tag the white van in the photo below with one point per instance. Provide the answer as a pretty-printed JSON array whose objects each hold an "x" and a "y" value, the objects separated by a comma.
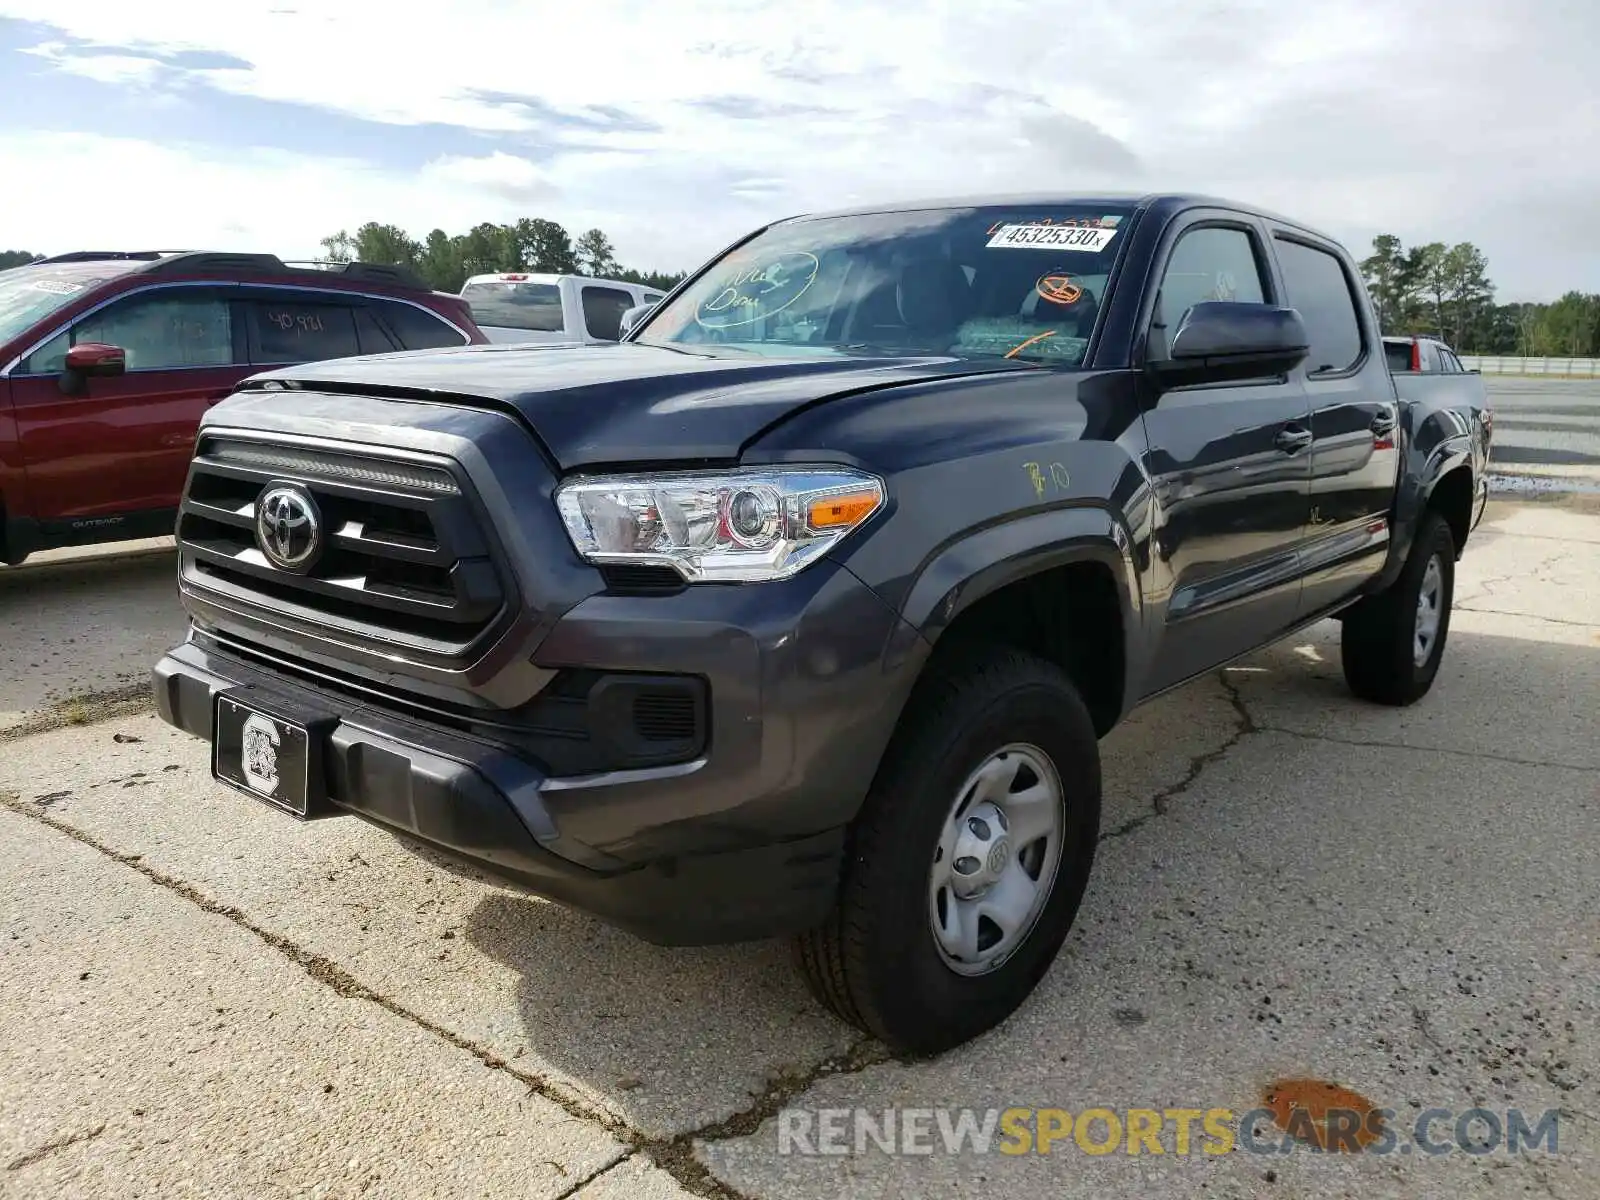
[{"x": 515, "y": 306}]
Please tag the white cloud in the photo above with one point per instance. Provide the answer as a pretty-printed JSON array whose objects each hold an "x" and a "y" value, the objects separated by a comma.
[
  {"x": 677, "y": 126},
  {"x": 503, "y": 174}
]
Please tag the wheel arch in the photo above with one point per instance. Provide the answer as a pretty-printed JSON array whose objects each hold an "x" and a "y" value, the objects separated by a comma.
[{"x": 1060, "y": 583}]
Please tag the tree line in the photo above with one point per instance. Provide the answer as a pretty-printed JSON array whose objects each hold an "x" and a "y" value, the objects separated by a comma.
[
  {"x": 1446, "y": 291},
  {"x": 532, "y": 244}
]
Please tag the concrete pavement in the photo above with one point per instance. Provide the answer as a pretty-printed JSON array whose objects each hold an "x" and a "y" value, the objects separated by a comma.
[{"x": 1290, "y": 883}]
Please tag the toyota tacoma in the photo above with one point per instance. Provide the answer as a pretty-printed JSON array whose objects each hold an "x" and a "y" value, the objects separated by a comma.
[{"x": 800, "y": 611}]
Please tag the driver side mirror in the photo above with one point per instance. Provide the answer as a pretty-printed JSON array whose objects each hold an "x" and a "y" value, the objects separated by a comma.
[
  {"x": 634, "y": 315},
  {"x": 91, "y": 360},
  {"x": 1221, "y": 341}
]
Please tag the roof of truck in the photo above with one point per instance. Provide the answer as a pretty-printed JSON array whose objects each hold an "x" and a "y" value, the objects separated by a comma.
[{"x": 1172, "y": 202}]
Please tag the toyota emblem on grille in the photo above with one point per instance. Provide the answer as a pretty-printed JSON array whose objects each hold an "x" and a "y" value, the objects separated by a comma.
[{"x": 288, "y": 526}]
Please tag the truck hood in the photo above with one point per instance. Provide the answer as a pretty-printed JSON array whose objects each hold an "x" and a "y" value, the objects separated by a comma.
[{"x": 621, "y": 401}]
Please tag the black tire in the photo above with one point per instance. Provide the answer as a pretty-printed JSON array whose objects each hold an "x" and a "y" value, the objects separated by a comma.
[
  {"x": 1378, "y": 645},
  {"x": 875, "y": 961}
]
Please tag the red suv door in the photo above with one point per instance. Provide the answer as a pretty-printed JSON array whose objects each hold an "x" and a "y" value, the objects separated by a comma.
[{"x": 122, "y": 445}]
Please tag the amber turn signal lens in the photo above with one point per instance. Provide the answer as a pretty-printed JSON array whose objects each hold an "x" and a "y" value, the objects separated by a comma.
[{"x": 841, "y": 512}]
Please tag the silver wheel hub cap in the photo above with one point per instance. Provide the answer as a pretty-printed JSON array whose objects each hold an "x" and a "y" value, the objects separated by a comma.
[
  {"x": 1430, "y": 611},
  {"x": 996, "y": 860}
]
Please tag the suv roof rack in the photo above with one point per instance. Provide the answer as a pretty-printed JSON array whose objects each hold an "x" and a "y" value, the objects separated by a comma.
[
  {"x": 166, "y": 262},
  {"x": 271, "y": 264}
]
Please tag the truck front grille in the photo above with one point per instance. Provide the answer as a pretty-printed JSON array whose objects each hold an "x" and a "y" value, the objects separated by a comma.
[{"x": 404, "y": 562}]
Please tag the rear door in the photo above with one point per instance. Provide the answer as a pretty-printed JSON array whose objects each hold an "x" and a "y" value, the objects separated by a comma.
[
  {"x": 1355, "y": 461},
  {"x": 123, "y": 445},
  {"x": 1229, "y": 466}
]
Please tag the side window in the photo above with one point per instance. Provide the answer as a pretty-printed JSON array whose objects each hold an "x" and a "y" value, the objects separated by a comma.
[
  {"x": 653, "y": 297},
  {"x": 419, "y": 330},
  {"x": 158, "y": 332},
  {"x": 602, "y": 311},
  {"x": 1454, "y": 362},
  {"x": 370, "y": 335},
  {"x": 291, "y": 330},
  {"x": 1315, "y": 284},
  {"x": 1208, "y": 263}
]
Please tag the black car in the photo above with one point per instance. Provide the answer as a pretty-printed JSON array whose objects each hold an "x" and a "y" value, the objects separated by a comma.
[{"x": 802, "y": 609}]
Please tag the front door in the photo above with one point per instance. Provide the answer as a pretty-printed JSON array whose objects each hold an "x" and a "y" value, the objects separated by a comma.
[
  {"x": 1230, "y": 468},
  {"x": 122, "y": 445}
]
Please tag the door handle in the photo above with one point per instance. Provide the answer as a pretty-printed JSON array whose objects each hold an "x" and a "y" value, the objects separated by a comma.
[
  {"x": 1292, "y": 439},
  {"x": 1383, "y": 424}
]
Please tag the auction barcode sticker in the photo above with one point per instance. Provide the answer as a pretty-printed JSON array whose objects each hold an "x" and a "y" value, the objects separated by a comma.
[{"x": 1052, "y": 237}]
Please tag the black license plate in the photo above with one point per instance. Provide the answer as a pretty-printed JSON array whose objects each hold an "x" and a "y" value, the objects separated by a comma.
[{"x": 262, "y": 755}]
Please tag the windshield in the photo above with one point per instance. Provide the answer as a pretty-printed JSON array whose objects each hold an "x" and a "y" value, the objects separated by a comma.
[
  {"x": 1018, "y": 283},
  {"x": 30, "y": 294},
  {"x": 512, "y": 305}
]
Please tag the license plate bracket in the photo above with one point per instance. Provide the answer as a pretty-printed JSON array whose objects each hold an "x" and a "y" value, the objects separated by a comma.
[{"x": 270, "y": 754}]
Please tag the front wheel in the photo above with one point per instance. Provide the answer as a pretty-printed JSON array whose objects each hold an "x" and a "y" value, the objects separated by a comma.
[
  {"x": 969, "y": 859},
  {"x": 1392, "y": 643}
]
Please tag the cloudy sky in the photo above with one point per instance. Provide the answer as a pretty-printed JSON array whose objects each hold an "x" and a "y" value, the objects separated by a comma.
[{"x": 678, "y": 124}]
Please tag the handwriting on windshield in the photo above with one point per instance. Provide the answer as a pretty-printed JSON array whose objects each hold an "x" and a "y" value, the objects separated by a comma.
[{"x": 752, "y": 291}]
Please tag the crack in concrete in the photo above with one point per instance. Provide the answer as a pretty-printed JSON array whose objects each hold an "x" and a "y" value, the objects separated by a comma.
[
  {"x": 674, "y": 1155},
  {"x": 577, "y": 1187},
  {"x": 1161, "y": 801},
  {"x": 1377, "y": 745},
  {"x": 91, "y": 708},
  {"x": 45, "y": 1151},
  {"x": 1501, "y": 612},
  {"x": 1425, "y": 1030}
]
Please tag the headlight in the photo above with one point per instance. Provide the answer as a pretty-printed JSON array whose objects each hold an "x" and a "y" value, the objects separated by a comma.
[{"x": 739, "y": 526}]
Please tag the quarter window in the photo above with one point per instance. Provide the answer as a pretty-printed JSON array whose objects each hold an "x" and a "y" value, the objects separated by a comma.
[
  {"x": 419, "y": 330},
  {"x": 1208, "y": 263},
  {"x": 372, "y": 337},
  {"x": 1315, "y": 285}
]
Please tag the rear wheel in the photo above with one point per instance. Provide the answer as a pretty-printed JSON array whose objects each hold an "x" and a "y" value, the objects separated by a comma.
[
  {"x": 969, "y": 859},
  {"x": 1393, "y": 642}
]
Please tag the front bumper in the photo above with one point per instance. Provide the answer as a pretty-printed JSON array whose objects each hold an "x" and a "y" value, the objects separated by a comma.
[{"x": 744, "y": 842}]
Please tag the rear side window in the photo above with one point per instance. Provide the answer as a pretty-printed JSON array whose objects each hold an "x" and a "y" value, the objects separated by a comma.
[
  {"x": 293, "y": 331},
  {"x": 419, "y": 329},
  {"x": 1398, "y": 354},
  {"x": 1315, "y": 284},
  {"x": 602, "y": 311}
]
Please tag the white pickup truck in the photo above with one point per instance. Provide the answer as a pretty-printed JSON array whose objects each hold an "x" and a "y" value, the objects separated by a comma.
[{"x": 516, "y": 306}]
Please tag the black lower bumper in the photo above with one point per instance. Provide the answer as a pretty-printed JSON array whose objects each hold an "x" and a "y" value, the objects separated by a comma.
[{"x": 475, "y": 802}]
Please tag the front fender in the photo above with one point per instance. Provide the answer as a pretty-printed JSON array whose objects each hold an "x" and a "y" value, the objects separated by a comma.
[{"x": 984, "y": 560}]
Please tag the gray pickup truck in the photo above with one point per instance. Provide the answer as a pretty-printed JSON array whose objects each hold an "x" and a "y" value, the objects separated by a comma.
[{"x": 801, "y": 610}]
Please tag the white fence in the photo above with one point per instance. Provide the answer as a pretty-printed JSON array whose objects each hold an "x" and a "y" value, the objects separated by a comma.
[{"x": 1556, "y": 368}]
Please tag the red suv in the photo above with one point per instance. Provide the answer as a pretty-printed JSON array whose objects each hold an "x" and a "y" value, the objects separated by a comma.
[{"x": 108, "y": 360}]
